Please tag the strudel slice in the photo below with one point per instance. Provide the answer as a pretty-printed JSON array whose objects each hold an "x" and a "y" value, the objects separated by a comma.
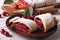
[
  {"x": 26, "y": 25},
  {"x": 45, "y": 21},
  {"x": 12, "y": 11}
]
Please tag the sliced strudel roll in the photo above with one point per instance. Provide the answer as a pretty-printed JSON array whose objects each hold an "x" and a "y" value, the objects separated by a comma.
[
  {"x": 45, "y": 21},
  {"x": 26, "y": 25}
]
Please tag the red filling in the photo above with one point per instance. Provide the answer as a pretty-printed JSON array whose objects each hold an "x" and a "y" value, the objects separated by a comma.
[
  {"x": 22, "y": 27},
  {"x": 39, "y": 22},
  {"x": 24, "y": 3}
]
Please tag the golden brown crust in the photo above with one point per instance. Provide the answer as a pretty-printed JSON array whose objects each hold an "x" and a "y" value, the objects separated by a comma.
[
  {"x": 9, "y": 9},
  {"x": 51, "y": 10}
]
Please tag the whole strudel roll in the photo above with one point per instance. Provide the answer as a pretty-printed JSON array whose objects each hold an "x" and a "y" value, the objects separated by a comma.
[
  {"x": 45, "y": 21},
  {"x": 26, "y": 25},
  {"x": 41, "y": 3},
  {"x": 50, "y": 2}
]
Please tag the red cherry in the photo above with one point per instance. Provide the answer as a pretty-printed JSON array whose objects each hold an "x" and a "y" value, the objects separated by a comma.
[
  {"x": 32, "y": 17},
  {"x": 24, "y": 16},
  {"x": 0, "y": 15},
  {"x": 16, "y": 6},
  {"x": 6, "y": 33},
  {"x": 2, "y": 31},
  {"x": 28, "y": 17},
  {"x": 28, "y": 31},
  {"x": 24, "y": 3},
  {"x": 21, "y": 0},
  {"x": 4, "y": 13}
]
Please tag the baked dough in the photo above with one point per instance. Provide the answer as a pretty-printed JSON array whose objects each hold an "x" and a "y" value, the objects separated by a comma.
[
  {"x": 50, "y": 2},
  {"x": 29, "y": 23},
  {"x": 37, "y": 3},
  {"x": 14, "y": 19},
  {"x": 47, "y": 20},
  {"x": 40, "y": 3}
]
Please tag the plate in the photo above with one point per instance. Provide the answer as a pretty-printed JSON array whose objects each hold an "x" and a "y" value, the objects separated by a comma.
[{"x": 36, "y": 34}]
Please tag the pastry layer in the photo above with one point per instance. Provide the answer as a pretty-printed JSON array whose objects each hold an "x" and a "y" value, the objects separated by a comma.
[
  {"x": 14, "y": 19},
  {"x": 47, "y": 20},
  {"x": 50, "y": 2},
  {"x": 40, "y": 3},
  {"x": 11, "y": 10},
  {"x": 29, "y": 23}
]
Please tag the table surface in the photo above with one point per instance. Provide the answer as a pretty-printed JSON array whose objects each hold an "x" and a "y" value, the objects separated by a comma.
[{"x": 55, "y": 36}]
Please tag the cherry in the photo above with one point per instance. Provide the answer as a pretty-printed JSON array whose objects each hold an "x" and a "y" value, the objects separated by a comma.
[
  {"x": 16, "y": 6},
  {"x": 0, "y": 15},
  {"x": 33, "y": 17},
  {"x": 4, "y": 13},
  {"x": 2, "y": 31},
  {"x": 21, "y": 0},
  {"x": 24, "y": 3},
  {"x": 29, "y": 31},
  {"x": 28, "y": 17},
  {"x": 39, "y": 22},
  {"x": 6, "y": 33},
  {"x": 24, "y": 16}
]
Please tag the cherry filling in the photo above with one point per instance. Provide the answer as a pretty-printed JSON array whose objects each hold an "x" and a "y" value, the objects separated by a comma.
[
  {"x": 25, "y": 4},
  {"x": 39, "y": 22},
  {"x": 21, "y": 26}
]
